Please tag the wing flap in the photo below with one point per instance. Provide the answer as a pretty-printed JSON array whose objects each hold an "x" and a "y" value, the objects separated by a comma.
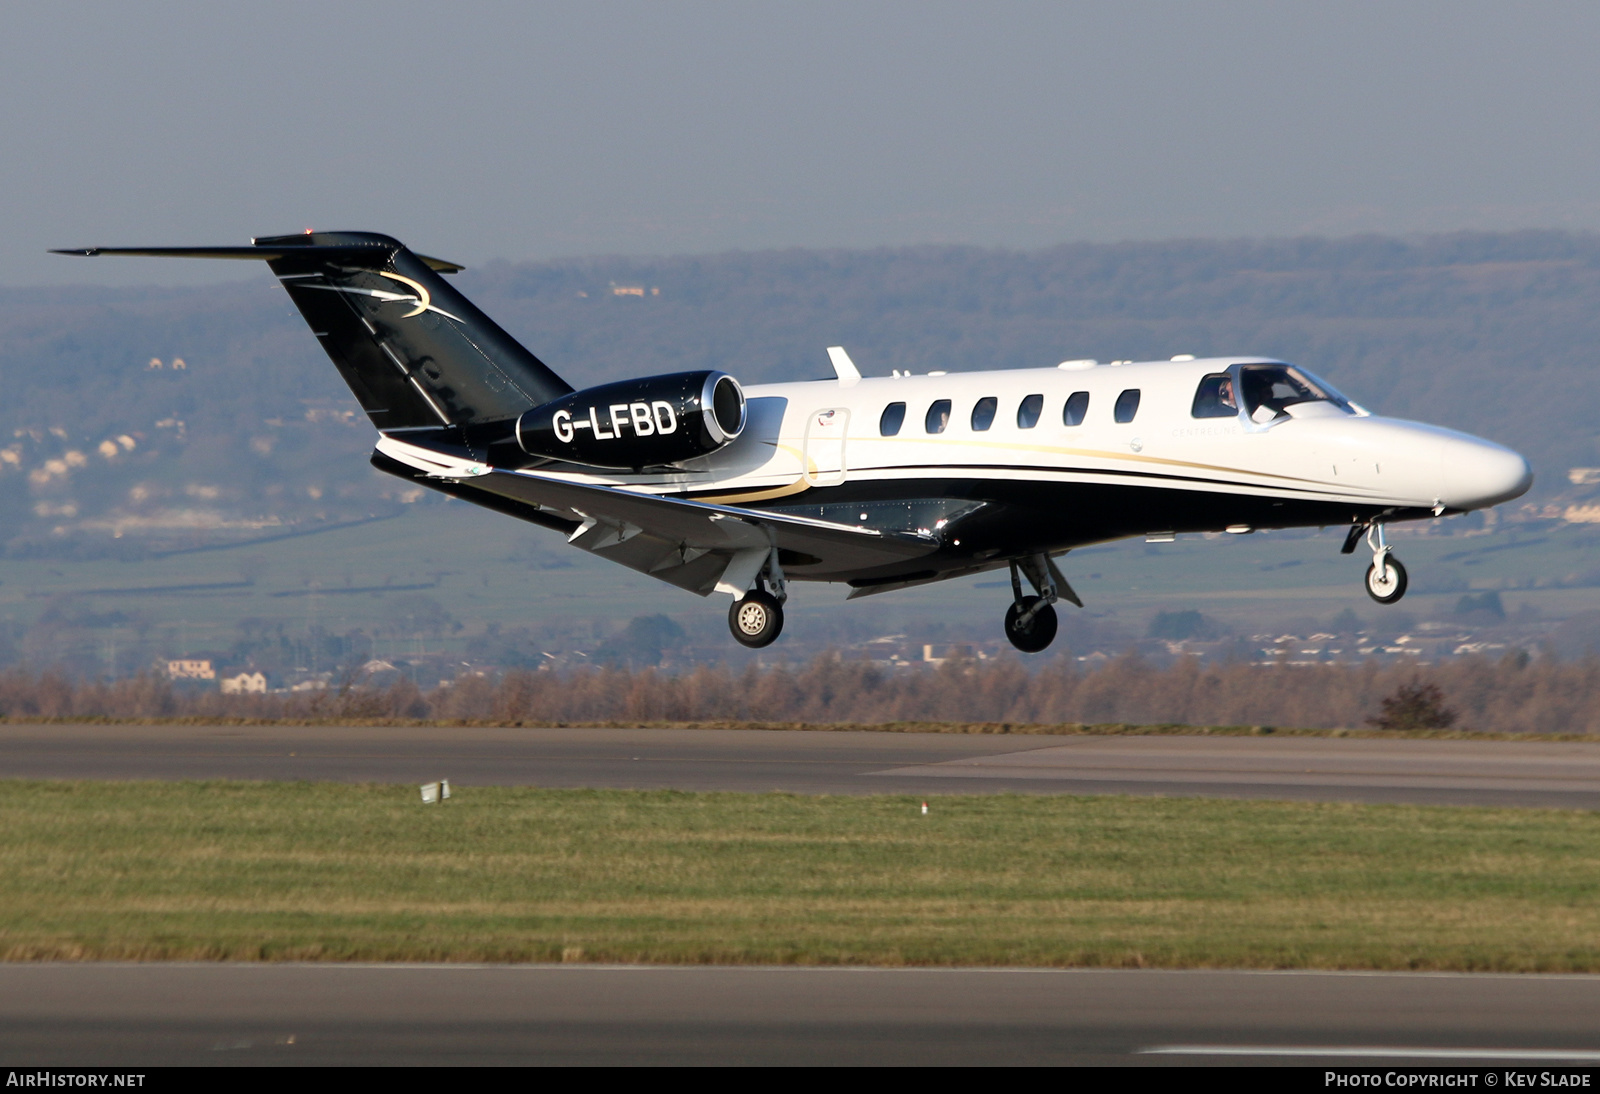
[{"x": 685, "y": 543}]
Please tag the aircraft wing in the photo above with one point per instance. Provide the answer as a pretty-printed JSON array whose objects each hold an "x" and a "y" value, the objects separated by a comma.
[{"x": 693, "y": 545}]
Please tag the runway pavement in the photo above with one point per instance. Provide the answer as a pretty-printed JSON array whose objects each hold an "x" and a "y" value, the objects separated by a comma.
[
  {"x": 133, "y": 1016},
  {"x": 1507, "y": 773}
]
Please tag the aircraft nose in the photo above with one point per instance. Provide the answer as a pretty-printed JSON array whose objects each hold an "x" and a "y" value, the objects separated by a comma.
[{"x": 1476, "y": 474}]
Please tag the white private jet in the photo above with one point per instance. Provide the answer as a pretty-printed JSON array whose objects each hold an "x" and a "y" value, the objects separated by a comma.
[{"x": 880, "y": 482}]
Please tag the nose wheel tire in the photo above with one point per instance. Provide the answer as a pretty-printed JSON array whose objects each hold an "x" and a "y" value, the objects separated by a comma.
[
  {"x": 1040, "y": 631},
  {"x": 1386, "y": 583},
  {"x": 757, "y": 620}
]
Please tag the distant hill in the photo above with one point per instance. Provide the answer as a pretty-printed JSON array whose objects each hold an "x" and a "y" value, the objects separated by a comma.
[{"x": 1494, "y": 333}]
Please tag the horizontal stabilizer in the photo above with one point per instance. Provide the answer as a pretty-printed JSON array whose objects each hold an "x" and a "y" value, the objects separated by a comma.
[{"x": 378, "y": 252}]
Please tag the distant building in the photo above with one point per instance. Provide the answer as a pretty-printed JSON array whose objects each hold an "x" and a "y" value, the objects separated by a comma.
[
  {"x": 1582, "y": 514},
  {"x": 938, "y": 655},
  {"x": 246, "y": 683},
  {"x": 191, "y": 670}
]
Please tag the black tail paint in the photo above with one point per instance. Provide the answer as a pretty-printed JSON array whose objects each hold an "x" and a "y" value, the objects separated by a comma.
[{"x": 416, "y": 353}]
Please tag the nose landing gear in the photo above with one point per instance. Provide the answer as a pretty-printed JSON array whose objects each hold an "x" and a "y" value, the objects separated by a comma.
[
  {"x": 1386, "y": 577},
  {"x": 1031, "y": 620}
]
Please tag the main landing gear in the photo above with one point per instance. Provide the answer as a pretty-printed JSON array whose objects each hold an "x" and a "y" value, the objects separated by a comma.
[
  {"x": 756, "y": 619},
  {"x": 1031, "y": 620},
  {"x": 1386, "y": 577},
  {"x": 1031, "y": 624}
]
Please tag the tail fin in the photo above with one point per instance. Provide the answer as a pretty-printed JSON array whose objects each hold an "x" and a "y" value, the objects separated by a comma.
[{"x": 416, "y": 353}]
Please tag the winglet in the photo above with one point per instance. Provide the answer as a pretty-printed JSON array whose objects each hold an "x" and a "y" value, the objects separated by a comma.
[{"x": 843, "y": 366}]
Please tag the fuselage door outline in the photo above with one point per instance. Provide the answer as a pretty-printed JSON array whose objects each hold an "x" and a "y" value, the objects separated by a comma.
[{"x": 824, "y": 447}]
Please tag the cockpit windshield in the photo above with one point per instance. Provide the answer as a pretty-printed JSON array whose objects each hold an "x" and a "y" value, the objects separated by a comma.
[{"x": 1269, "y": 390}]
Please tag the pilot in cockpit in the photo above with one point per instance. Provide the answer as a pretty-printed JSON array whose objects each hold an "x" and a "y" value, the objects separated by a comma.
[{"x": 1225, "y": 395}]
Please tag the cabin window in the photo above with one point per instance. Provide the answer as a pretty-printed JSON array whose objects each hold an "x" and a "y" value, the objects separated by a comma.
[
  {"x": 1269, "y": 390},
  {"x": 983, "y": 413},
  {"x": 1076, "y": 409},
  {"x": 1127, "y": 406},
  {"x": 894, "y": 416},
  {"x": 1028, "y": 411},
  {"x": 1214, "y": 398},
  {"x": 938, "y": 418}
]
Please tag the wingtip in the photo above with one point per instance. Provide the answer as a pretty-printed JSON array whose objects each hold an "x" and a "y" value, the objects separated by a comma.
[
  {"x": 441, "y": 265},
  {"x": 86, "y": 252}
]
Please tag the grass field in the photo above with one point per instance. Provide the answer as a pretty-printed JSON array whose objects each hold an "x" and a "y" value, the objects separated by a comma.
[{"x": 254, "y": 871}]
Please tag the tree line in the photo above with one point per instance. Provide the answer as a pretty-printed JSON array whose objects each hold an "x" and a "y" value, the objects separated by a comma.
[{"x": 1511, "y": 695}]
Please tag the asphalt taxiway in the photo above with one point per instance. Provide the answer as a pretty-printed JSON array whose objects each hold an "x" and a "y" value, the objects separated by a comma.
[
  {"x": 1496, "y": 773},
  {"x": 132, "y": 1016}
]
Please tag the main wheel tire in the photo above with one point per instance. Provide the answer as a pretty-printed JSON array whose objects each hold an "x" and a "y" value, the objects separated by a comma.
[
  {"x": 1041, "y": 629},
  {"x": 1389, "y": 585},
  {"x": 756, "y": 620}
]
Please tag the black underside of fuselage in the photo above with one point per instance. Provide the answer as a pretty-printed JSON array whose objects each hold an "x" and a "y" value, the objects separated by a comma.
[{"x": 1009, "y": 518}]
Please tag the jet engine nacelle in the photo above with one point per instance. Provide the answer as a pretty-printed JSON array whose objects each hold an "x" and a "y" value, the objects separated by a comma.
[{"x": 637, "y": 423}]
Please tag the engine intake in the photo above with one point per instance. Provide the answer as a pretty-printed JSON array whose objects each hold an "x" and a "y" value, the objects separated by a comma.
[{"x": 648, "y": 422}]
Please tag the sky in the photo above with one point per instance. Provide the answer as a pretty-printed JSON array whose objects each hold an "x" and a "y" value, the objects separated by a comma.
[{"x": 529, "y": 131}]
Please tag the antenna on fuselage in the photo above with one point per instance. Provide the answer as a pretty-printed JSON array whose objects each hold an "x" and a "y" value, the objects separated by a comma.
[{"x": 843, "y": 367}]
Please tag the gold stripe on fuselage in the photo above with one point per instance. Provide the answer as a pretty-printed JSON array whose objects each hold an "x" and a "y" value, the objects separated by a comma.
[
  {"x": 1095, "y": 453},
  {"x": 800, "y": 485}
]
